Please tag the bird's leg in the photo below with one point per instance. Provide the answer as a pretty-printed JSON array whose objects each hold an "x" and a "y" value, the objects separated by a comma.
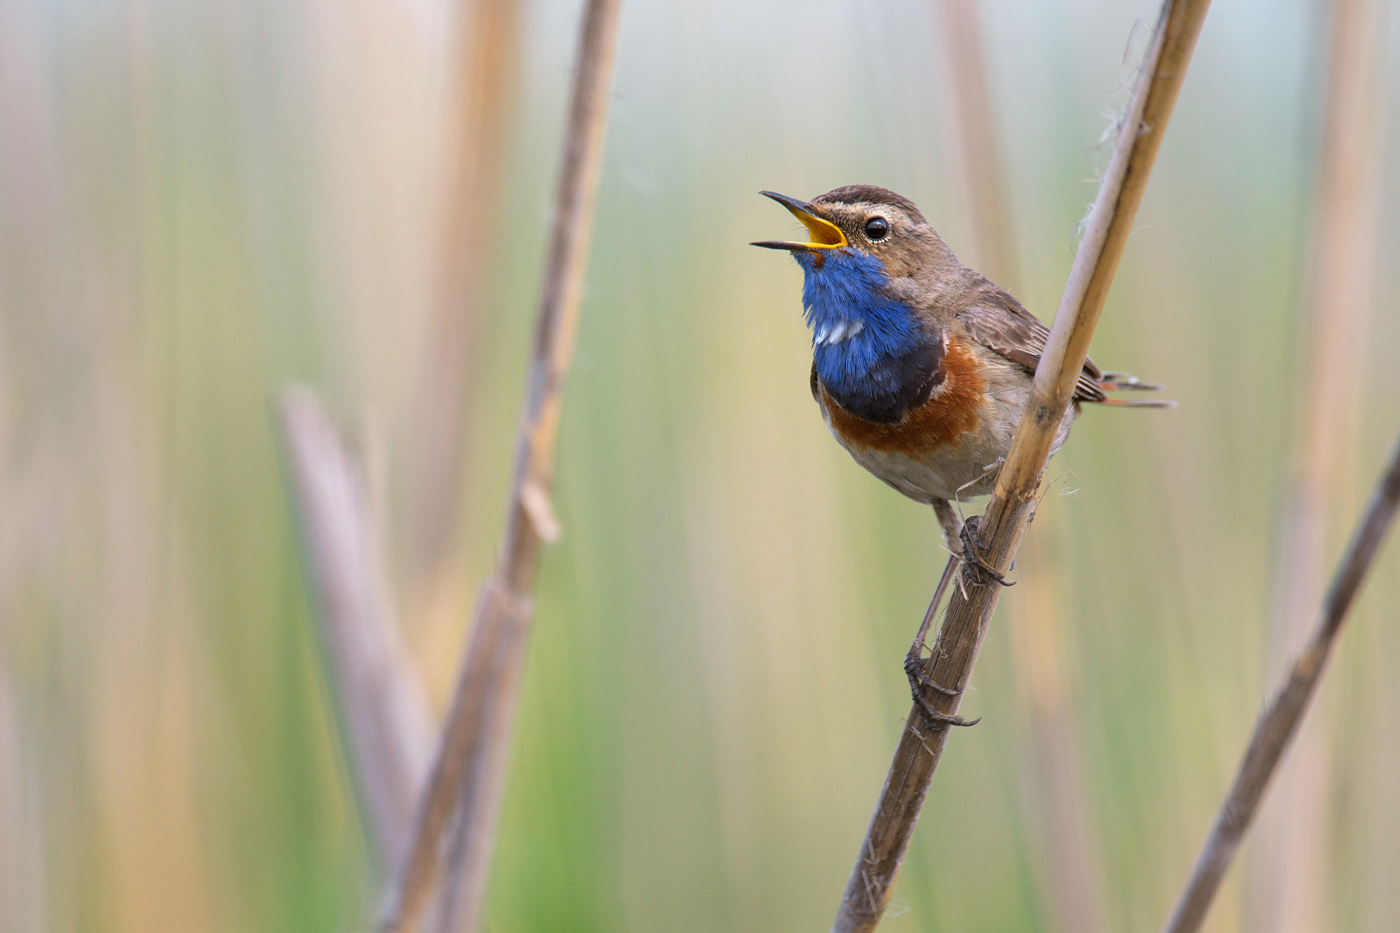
[
  {"x": 914, "y": 662},
  {"x": 962, "y": 541},
  {"x": 982, "y": 572},
  {"x": 952, "y": 525},
  {"x": 915, "y": 659},
  {"x": 915, "y": 665}
]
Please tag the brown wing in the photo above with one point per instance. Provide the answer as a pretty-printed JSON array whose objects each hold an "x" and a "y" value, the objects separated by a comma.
[{"x": 999, "y": 322}]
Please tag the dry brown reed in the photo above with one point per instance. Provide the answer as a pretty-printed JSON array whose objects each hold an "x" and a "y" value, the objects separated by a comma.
[
  {"x": 464, "y": 789},
  {"x": 487, "y": 41},
  {"x": 972, "y": 137},
  {"x": 1073, "y": 884},
  {"x": 1289, "y": 870},
  {"x": 1013, "y": 503},
  {"x": 1279, "y": 721}
]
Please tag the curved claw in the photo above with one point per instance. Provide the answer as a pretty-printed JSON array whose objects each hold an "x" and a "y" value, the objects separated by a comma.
[
  {"x": 919, "y": 681},
  {"x": 919, "y": 678},
  {"x": 982, "y": 572},
  {"x": 937, "y": 720}
]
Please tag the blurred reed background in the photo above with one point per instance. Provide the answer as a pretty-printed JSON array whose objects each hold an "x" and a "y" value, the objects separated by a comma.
[{"x": 202, "y": 201}]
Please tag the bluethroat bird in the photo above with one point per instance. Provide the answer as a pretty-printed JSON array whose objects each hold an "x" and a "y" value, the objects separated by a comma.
[{"x": 921, "y": 366}]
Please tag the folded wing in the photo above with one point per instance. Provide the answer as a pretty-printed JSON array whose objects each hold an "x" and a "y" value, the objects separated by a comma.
[{"x": 999, "y": 322}]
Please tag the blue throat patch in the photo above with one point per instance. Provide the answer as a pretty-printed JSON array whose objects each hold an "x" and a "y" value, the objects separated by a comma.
[{"x": 847, "y": 285}]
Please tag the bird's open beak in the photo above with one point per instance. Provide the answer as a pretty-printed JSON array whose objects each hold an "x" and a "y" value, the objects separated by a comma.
[{"x": 825, "y": 234}]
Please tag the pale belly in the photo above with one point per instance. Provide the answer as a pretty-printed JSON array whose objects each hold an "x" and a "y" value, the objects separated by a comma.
[
  {"x": 954, "y": 470},
  {"x": 955, "y": 473}
]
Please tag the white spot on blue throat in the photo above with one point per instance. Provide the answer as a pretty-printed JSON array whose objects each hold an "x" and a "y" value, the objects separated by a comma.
[
  {"x": 858, "y": 328},
  {"x": 843, "y": 329}
]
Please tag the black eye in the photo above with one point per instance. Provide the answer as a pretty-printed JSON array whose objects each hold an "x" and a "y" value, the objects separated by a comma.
[{"x": 876, "y": 228}]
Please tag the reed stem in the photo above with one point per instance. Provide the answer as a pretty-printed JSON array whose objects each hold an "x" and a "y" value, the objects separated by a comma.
[
  {"x": 1280, "y": 719},
  {"x": 1071, "y": 880},
  {"x": 1013, "y": 504},
  {"x": 469, "y": 770},
  {"x": 487, "y": 43},
  {"x": 383, "y": 705},
  {"x": 1289, "y": 873}
]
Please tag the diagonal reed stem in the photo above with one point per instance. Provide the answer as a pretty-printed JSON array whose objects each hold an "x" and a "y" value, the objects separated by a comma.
[
  {"x": 1280, "y": 720},
  {"x": 383, "y": 707},
  {"x": 1289, "y": 874},
  {"x": 1013, "y": 504},
  {"x": 469, "y": 770}
]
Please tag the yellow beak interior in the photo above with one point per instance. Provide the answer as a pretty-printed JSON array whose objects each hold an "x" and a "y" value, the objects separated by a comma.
[{"x": 825, "y": 234}]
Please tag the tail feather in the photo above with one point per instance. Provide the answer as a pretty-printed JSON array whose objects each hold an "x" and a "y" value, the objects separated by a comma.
[
  {"x": 1111, "y": 382},
  {"x": 1139, "y": 403},
  {"x": 1117, "y": 382},
  {"x": 1093, "y": 388}
]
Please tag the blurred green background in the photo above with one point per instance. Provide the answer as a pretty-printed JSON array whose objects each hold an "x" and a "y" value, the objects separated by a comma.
[{"x": 204, "y": 200}]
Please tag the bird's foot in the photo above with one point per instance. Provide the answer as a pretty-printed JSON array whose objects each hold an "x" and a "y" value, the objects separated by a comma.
[
  {"x": 982, "y": 572},
  {"x": 920, "y": 681}
]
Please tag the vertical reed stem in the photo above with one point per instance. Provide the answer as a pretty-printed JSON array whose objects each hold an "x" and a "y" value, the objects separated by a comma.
[
  {"x": 487, "y": 40},
  {"x": 1072, "y": 884},
  {"x": 976, "y": 153}
]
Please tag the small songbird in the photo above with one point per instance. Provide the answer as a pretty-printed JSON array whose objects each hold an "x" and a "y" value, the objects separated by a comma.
[{"x": 921, "y": 366}]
